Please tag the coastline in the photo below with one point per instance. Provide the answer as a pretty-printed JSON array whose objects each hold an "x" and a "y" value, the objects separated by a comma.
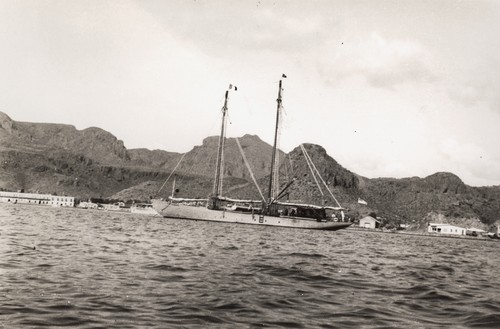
[
  {"x": 432, "y": 235},
  {"x": 351, "y": 228}
]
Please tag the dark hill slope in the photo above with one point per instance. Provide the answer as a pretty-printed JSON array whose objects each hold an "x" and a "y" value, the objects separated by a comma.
[
  {"x": 413, "y": 199},
  {"x": 58, "y": 158},
  {"x": 155, "y": 158},
  {"x": 202, "y": 159},
  {"x": 342, "y": 183},
  {"x": 92, "y": 143}
]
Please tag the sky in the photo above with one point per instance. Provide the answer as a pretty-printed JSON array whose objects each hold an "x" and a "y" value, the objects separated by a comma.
[{"x": 388, "y": 88}]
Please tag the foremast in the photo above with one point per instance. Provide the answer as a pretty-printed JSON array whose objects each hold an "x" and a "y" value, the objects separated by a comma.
[
  {"x": 219, "y": 168},
  {"x": 213, "y": 200},
  {"x": 273, "y": 179}
]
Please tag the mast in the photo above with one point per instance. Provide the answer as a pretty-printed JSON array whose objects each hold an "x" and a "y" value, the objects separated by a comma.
[
  {"x": 272, "y": 192},
  {"x": 220, "y": 152},
  {"x": 173, "y": 188}
]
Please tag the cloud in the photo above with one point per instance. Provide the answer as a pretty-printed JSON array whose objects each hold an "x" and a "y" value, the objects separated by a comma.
[
  {"x": 109, "y": 65},
  {"x": 476, "y": 84},
  {"x": 474, "y": 164},
  {"x": 243, "y": 28},
  {"x": 382, "y": 63},
  {"x": 161, "y": 67}
]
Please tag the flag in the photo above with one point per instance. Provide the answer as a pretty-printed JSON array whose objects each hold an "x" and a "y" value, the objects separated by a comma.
[
  {"x": 283, "y": 75},
  {"x": 361, "y": 201}
]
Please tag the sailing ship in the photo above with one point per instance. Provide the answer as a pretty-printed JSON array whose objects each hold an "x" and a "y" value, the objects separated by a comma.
[{"x": 268, "y": 212}]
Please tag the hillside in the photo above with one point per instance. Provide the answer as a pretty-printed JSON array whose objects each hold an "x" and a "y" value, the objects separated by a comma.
[
  {"x": 93, "y": 143},
  {"x": 155, "y": 158},
  {"x": 57, "y": 158}
]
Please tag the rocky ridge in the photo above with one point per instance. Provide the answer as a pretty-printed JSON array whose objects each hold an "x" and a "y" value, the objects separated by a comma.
[{"x": 57, "y": 158}]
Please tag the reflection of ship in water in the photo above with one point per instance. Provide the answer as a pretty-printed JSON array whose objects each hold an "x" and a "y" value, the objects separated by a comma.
[{"x": 270, "y": 211}]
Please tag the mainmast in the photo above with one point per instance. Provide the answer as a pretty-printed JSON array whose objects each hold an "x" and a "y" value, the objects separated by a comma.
[
  {"x": 274, "y": 160},
  {"x": 220, "y": 152}
]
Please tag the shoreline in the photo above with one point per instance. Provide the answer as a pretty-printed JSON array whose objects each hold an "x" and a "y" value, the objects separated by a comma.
[
  {"x": 351, "y": 228},
  {"x": 432, "y": 235}
]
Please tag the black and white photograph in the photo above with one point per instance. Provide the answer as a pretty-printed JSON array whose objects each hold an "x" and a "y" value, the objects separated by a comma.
[{"x": 249, "y": 164}]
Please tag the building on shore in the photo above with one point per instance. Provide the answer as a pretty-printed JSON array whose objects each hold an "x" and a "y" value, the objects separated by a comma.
[
  {"x": 445, "y": 229},
  {"x": 117, "y": 206},
  {"x": 88, "y": 205},
  {"x": 472, "y": 231},
  {"x": 369, "y": 222},
  {"x": 37, "y": 199}
]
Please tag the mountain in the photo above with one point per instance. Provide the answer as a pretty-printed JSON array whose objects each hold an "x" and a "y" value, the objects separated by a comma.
[
  {"x": 58, "y": 158},
  {"x": 94, "y": 143},
  {"x": 202, "y": 159},
  {"x": 154, "y": 158},
  {"x": 195, "y": 173}
]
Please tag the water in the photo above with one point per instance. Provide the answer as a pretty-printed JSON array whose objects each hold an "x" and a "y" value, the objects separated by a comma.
[{"x": 94, "y": 269}]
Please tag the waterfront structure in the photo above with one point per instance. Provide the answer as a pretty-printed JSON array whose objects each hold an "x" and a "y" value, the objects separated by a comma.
[
  {"x": 369, "y": 222},
  {"x": 445, "y": 229},
  {"x": 88, "y": 205},
  {"x": 495, "y": 234},
  {"x": 143, "y": 209},
  {"x": 37, "y": 199},
  {"x": 475, "y": 231},
  {"x": 111, "y": 207}
]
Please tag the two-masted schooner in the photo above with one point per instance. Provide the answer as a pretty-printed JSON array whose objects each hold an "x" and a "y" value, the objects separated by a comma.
[{"x": 270, "y": 211}]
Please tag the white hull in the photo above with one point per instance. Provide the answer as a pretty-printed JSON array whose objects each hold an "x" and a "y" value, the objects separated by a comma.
[{"x": 179, "y": 210}]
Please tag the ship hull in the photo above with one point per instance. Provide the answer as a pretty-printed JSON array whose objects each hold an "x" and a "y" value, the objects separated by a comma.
[{"x": 183, "y": 211}]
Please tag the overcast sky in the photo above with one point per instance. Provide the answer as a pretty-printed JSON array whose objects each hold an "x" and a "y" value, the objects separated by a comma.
[{"x": 389, "y": 88}]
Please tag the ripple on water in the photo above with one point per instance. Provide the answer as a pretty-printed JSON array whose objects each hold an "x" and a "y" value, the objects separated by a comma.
[{"x": 93, "y": 269}]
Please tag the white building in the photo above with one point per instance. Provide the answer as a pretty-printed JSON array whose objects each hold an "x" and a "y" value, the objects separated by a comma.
[
  {"x": 62, "y": 201},
  {"x": 369, "y": 222},
  {"x": 88, "y": 205},
  {"x": 111, "y": 207},
  {"x": 475, "y": 231},
  {"x": 445, "y": 229},
  {"x": 37, "y": 199}
]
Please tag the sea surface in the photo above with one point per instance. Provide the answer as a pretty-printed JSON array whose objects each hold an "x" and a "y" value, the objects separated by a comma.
[{"x": 95, "y": 269}]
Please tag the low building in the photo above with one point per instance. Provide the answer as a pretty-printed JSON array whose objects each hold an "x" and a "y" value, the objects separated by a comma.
[
  {"x": 472, "y": 231},
  {"x": 445, "y": 229},
  {"x": 37, "y": 199},
  {"x": 111, "y": 207},
  {"x": 88, "y": 205},
  {"x": 369, "y": 222},
  {"x": 62, "y": 201},
  {"x": 496, "y": 232}
]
